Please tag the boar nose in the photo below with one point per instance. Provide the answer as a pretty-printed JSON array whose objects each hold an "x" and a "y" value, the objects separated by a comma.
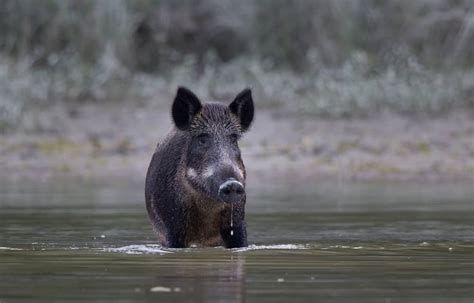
[{"x": 231, "y": 191}]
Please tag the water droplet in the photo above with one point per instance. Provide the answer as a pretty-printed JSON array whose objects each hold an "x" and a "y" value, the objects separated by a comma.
[
  {"x": 231, "y": 219},
  {"x": 231, "y": 215}
]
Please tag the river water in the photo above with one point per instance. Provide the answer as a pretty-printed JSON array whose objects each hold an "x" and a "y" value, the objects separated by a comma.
[{"x": 73, "y": 240}]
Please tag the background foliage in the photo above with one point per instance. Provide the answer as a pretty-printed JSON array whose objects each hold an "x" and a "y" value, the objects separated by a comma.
[{"x": 335, "y": 58}]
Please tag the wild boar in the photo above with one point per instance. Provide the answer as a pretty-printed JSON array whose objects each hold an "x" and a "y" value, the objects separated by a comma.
[{"x": 195, "y": 185}]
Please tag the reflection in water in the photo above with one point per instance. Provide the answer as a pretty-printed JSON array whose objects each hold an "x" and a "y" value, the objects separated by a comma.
[
  {"x": 80, "y": 241},
  {"x": 211, "y": 275},
  {"x": 202, "y": 278}
]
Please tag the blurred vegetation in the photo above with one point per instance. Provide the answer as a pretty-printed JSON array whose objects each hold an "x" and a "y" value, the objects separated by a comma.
[{"x": 337, "y": 58}]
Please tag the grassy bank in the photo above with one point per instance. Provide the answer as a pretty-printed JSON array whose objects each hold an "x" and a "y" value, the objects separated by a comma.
[{"x": 107, "y": 142}]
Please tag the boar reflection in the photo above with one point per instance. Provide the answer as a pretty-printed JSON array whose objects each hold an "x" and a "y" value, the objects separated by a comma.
[{"x": 200, "y": 278}]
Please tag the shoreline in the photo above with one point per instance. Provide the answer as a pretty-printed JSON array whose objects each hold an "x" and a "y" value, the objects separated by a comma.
[{"x": 104, "y": 142}]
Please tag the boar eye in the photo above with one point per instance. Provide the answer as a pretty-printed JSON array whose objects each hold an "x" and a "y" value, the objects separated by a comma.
[
  {"x": 203, "y": 139},
  {"x": 234, "y": 137}
]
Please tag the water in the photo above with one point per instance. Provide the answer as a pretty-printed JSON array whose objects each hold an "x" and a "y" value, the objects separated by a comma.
[{"x": 69, "y": 240}]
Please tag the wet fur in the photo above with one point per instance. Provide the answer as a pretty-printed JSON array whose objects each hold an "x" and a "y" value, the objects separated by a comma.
[{"x": 180, "y": 213}]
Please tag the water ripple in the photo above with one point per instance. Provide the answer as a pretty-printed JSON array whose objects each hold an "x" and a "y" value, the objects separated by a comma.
[
  {"x": 9, "y": 248},
  {"x": 272, "y": 247},
  {"x": 139, "y": 249}
]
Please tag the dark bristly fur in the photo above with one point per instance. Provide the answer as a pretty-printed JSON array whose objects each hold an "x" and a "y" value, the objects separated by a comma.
[{"x": 189, "y": 168}]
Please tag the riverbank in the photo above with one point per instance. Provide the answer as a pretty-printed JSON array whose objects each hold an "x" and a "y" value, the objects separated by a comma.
[{"x": 110, "y": 141}]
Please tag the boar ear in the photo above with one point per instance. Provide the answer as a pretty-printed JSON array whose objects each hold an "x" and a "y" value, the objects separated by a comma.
[
  {"x": 242, "y": 107},
  {"x": 185, "y": 106}
]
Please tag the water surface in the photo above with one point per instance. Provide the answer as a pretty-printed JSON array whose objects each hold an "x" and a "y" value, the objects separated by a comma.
[{"x": 70, "y": 240}]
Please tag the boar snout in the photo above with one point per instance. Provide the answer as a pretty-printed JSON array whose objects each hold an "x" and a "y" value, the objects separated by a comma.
[{"x": 231, "y": 191}]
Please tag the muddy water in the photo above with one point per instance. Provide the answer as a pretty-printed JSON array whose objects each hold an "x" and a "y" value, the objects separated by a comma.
[{"x": 69, "y": 240}]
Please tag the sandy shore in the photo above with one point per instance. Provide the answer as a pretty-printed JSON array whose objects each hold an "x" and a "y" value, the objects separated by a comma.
[{"x": 105, "y": 141}]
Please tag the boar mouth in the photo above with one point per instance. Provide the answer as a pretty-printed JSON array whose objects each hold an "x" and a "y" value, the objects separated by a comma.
[{"x": 231, "y": 191}]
